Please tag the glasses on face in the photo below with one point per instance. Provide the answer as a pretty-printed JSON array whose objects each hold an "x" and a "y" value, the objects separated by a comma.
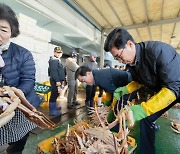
[{"x": 118, "y": 56}]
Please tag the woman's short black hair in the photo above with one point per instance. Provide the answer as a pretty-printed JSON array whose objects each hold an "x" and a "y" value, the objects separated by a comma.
[
  {"x": 117, "y": 38},
  {"x": 6, "y": 13},
  {"x": 82, "y": 70}
]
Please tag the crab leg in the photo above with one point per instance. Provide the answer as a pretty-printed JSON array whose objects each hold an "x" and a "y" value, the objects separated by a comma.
[
  {"x": 24, "y": 101},
  {"x": 10, "y": 108},
  {"x": 100, "y": 120},
  {"x": 39, "y": 120},
  {"x": 129, "y": 115},
  {"x": 36, "y": 117},
  {"x": 4, "y": 120}
]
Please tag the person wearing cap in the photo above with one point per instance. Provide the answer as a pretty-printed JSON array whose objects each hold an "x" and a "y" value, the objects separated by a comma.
[
  {"x": 153, "y": 64},
  {"x": 91, "y": 89},
  {"x": 71, "y": 67},
  {"x": 57, "y": 76}
]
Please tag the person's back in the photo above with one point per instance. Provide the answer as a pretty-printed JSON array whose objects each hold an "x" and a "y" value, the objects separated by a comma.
[
  {"x": 71, "y": 67},
  {"x": 110, "y": 79},
  {"x": 91, "y": 63}
]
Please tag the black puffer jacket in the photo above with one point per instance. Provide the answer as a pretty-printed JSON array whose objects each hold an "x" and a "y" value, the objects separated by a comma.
[
  {"x": 56, "y": 70},
  {"x": 157, "y": 65}
]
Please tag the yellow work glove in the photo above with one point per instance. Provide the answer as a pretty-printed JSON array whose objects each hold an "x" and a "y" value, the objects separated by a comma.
[
  {"x": 156, "y": 103},
  {"x": 131, "y": 87},
  {"x": 159, "y": 101}
]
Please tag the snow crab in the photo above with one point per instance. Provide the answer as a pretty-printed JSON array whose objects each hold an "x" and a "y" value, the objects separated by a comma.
[
  {"x": 82, "y": 138},
  {"x": 12, "y": 98},
  {"x": 98, "y": 115},
  {"x": 175, "y": 126}
]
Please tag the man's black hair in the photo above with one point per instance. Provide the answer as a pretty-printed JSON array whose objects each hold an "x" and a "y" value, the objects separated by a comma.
[
  {"x": 6, "y": 13},
  {"x": 117, "y": 38},
  {"x": 82, "y": 70}
]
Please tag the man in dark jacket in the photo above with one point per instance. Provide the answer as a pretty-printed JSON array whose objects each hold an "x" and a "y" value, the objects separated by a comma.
[
  {"x": 57, "y": 76},
  {"x": 155, "y": 65},
  {"x": 109, "y": 80}
]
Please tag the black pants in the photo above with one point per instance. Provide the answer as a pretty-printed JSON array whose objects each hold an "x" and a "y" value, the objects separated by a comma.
[
  {"x": 90, "y": 92},
  {"x": 54, "y": 91},
  {"x": 17, "y": 147},
  {"x": 147, "y": 131}
]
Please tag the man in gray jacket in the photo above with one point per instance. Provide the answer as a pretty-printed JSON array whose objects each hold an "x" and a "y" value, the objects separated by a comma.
[{"x": 71, "y": 67}]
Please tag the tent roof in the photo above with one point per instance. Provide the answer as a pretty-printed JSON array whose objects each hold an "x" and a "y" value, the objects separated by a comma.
[{"x": 144, "y": 19}]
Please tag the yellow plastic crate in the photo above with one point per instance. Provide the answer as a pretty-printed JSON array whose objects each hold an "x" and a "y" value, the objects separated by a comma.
[{"x": 45, "y": 147}]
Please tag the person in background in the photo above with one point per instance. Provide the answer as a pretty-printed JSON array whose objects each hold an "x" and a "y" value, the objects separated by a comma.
[
  {"x": 153, "y": 64},
  {"x": 114, "y": 78},
  {"x": 109, "y": 80},
  {"x": 117, "y": 67},
  {"x": 91, "y": 89},
  {"x": 107, "y": 65},
  {"x": 57, "y": 76},
  {"x": 122, "y": 67},
  {"x": 71, "y": 67},
  {"x": 17, "y": 69}
]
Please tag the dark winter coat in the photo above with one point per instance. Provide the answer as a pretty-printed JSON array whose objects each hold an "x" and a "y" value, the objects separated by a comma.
[
  {"x": 56, "y": 70},
  {"x": 19, "y": 72},
  {"x": 157, "y": 65},
  {"x": 110, "y": 79}
]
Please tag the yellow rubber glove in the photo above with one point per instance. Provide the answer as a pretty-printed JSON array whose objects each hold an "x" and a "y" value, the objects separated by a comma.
[
  {"x": 131, "y": 87},
  {"x": 156, "y": 103},
  {"x": 159, "y": 101}
]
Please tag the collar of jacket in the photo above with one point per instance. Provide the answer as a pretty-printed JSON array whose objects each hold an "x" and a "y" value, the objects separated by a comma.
[
  {"x": 4, "y": 47},
  {"x": 137, "y": 54}
]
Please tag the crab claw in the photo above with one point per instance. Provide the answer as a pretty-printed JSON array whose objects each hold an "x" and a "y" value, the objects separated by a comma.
[{"x": 129, "y": 116}]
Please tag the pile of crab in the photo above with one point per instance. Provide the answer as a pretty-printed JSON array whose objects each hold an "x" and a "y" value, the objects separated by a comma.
[
  {"x": 96, "y": 136},
  {"x": 11, "y": 99}
]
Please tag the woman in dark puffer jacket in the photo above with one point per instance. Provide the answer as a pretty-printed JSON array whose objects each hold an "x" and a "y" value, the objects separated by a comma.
[{"x": 17, "y": 69}]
